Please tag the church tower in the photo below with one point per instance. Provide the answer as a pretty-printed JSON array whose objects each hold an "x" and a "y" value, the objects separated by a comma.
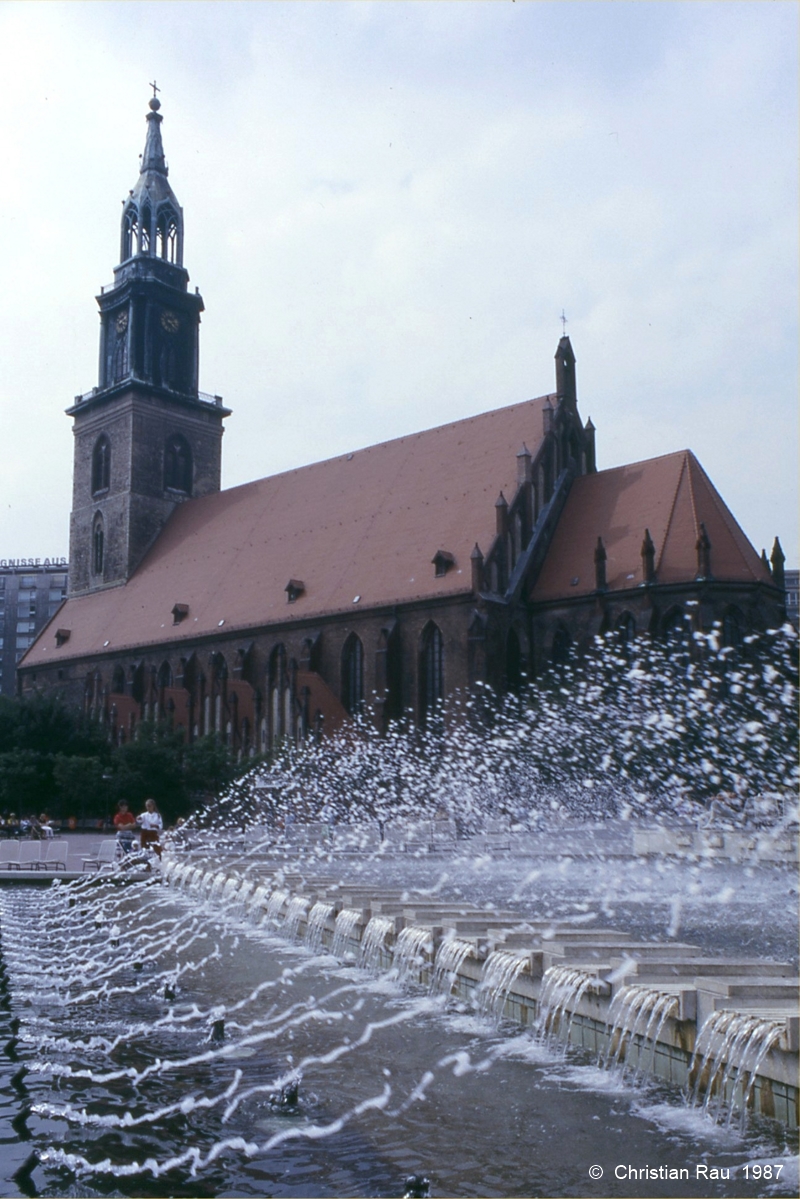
[{"x": 145, "y": 438}]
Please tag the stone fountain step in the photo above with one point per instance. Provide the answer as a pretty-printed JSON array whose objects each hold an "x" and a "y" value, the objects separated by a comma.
[{"x": 677, "y": 964}]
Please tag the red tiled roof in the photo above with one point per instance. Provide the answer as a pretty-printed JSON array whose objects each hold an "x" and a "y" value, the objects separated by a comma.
[
  {"x": 365, "y": 524},
  {"x": 670, "y": 496}
]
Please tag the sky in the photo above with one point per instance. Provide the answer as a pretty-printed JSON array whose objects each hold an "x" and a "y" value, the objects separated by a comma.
[{"x": 388, "y": 206}]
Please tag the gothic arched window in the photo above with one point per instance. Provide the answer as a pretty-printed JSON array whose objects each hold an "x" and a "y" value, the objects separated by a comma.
[
  {"x": 277, "y": 688},
  {"x": 130, "y": 234},
  {"x": 167, "y": 236},
  {"x": 431, "y": 673},
  {"x": 118, "y": 681},
  {"x": 562, "y": 643},
  {"x": 625, "y": 628},
  {"x": 732, "y": 627},
  {"x": 145, "y": 231},
  {"x": 101, "y": 464},
  {"x": 178, "y": 464},
  {"x": 353, "y": 674},
  {"x": 675, "y": 626},
  {"x": 98, "y": 547}
]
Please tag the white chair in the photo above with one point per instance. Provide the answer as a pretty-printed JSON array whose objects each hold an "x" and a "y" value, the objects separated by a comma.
[
  {"x": 9, "y": 854},
  {"x": 30, "y": 855},
  {"x": 104, "y": 855},
  {"x": 55, "y": 856}
]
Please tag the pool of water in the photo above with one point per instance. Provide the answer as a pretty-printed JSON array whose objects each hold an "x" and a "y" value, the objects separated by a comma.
[{"x": 115, "y": 1079}]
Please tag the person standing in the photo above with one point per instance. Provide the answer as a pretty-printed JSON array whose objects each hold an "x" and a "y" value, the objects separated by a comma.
[{"x": 151, "y": 824}]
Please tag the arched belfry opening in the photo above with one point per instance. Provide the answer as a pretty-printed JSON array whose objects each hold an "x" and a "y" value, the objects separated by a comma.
[
  {"x": 101, "y": 465},
  {"x": 178, "y": 464}
]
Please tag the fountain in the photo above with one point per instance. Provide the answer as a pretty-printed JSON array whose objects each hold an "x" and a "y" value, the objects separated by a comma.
[
  {"x": 296, "y": 910},
  {"x": 730, "y": 1049},
  {"x": 450, "y": 957},
  {"x": 373, "y": 943},
  {"x": 196, "y": 1033},
  {"x": 412, "y": 953},
  {"x": 316, "y": 925},
  {"x": 344, "y": 931},
  {"x": 500, "y": 971}
]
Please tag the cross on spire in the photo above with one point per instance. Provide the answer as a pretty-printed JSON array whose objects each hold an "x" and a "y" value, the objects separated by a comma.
[
  {"x": 563, "y": 320},
  {"x": 155, "y": 89}
]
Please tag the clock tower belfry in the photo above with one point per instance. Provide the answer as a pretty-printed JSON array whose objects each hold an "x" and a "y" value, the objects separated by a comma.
[{"x": 145, "y": 438}]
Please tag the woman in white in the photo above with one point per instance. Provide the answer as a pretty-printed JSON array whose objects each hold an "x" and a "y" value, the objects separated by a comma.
[{"x": 151, "y": 824}]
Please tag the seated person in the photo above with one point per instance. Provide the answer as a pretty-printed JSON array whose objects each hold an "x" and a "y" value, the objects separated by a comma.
[{"x": 125, "y": 824}]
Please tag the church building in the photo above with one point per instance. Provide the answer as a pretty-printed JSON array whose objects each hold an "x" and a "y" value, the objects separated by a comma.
[{"x": 390, "y": 577}]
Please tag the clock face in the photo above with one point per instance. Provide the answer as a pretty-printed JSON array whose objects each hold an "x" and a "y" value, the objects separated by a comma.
[
  {"x": 170, "y": 321},
  {"x": 121, "y": 323}
]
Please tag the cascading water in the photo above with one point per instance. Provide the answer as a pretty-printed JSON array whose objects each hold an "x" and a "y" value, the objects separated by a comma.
[
  {"x": 275, "y": 906},
  {"x": 500, "y": 970},
  {"x": 258, "y": 904},
  {"x": 373, "y": 942},
  {"x": 730, "y": 1049},
  {"x": 295, "y": 911},
  {"x": 316, "y": 924},
  {"x": 346, "y": 923},
  {"x": 411, "y": 953},
  {"x": 637, "y": 1011},
  {"x": 563, "y": 987},
  {"x": 450, "y": 956}
]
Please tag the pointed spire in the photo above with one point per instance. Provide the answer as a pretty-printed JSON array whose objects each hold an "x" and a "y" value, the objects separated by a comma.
[
  {"x": 476, "y": 560},
  {"x": 501, "y": 514},
  {"x": 153, "y": 158},
  {"x": 777, "y": 558},
  {"x": 765, "y": 562}
]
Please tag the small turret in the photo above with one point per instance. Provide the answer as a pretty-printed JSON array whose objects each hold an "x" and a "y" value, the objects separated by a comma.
[
  {"x": 501, "y": 515},
  {"x": 648, "y": 558},
  {"x": 777, "y": 558},
  {"x": 476, "y": 561}
]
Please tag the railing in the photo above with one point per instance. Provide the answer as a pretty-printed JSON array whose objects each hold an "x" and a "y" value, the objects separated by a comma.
[{"x": 204, "y": 396}]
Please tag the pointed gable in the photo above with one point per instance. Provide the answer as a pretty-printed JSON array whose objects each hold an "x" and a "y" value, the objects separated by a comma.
[{"x": 671, "y": 496}]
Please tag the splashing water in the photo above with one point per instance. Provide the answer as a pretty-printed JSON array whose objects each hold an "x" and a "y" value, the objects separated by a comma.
[
  {"x": 500, "y": 970},
  {"x": 373, "y": 942},
  {"x": 295, "y": 911},
  {"x": 412, "y": 951},
  {"x": 450, "y": 956},
  {"x": 344, "y": 930},
  {"x": 730, "y": 1049},
  {"x": 316, "y": 924},
  {"x": 275, "y": 906}
]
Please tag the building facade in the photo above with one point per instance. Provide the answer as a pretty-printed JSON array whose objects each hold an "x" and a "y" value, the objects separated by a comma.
[
  {"x": 391, "y": 577},
  {"x": 31, "y": 592}
]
